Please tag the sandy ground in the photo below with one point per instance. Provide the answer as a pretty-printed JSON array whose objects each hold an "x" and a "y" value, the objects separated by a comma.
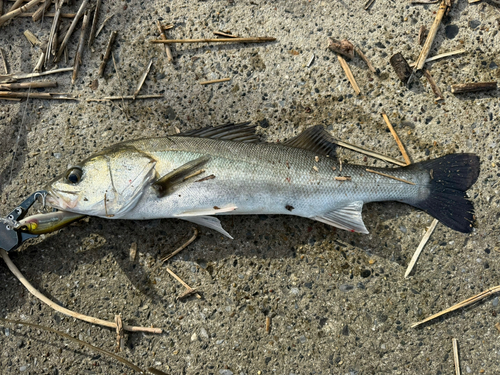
[{"x": 338, "y": 301}]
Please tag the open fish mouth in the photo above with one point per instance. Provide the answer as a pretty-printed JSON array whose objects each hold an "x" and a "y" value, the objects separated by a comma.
[{"x": 61, "y": 202}]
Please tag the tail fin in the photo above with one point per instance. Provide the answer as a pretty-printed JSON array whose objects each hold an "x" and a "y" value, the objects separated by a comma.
[{"x": 451, "y": 176}]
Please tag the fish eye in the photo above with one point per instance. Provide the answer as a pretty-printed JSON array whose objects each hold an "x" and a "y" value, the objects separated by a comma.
[{"x": 74, "y": 175}]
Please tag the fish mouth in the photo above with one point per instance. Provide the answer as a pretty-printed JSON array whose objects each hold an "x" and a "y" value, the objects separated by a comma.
[{"x": 63, "y": 200}]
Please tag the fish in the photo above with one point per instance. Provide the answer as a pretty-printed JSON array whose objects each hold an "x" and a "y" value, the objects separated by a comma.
[{"x": 228, "y": 170}]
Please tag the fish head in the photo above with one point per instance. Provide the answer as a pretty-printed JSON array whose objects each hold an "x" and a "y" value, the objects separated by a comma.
[{"x": 108, "y": 184}]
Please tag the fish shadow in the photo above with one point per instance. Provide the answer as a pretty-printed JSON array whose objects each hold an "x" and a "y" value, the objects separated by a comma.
[{"x": 101, "y": 241}]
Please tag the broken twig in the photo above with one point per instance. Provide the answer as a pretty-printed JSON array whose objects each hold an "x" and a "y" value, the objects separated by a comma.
[
  {"x": 473, "y": 87},
  {"x": 35, "y": 95},
  {"x": 15, "y": 77},
  {"x": 16, "y": 12},
  {"x": 370, "y": 153},
  {"x": 188, "y": 291},
  {"x": 365, "y": 59},
  {"x": 105, "y": 59},
  {"x": 126, "y": 97},
  {"x": 435, "y": 89},
  {"x": 420, "y": 247},
  {"x": 442, "y": 55},
  {"x": 186, "y": 244}
]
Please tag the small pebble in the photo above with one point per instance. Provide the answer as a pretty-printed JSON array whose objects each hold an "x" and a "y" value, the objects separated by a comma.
[
  {"x": 204, "y": 333},
  {"x": 346, "y": 287},
  {"x": 23, "y": 368},
  {"x": 194, "y": 337},
  {"x": 495, "y": 302},
  {"x": 225, "y": 372},
  {"x": 7, "y": 332}
]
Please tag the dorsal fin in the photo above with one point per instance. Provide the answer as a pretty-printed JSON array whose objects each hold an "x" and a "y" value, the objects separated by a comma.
[
  {"x": 241, "y": 132},
  {"x": 315, "y": 139}
]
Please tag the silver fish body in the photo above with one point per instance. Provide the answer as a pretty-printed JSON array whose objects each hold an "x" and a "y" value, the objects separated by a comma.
[{"x": 195, "y": 176}]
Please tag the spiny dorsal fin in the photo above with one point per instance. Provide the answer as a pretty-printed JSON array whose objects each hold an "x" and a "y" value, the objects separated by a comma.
[
  {"x": 165, "y": 184},
  {"x": 241, "y": 132},
  {"x": 315, "y": 139}
]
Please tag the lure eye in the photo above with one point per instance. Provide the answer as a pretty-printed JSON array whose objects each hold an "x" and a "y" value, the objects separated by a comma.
[{"x": 74, "y": 175}]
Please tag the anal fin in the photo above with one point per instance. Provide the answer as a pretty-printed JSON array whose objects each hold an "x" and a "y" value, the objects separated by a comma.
[
  {"x": 347, "y": 218},
  {"x": 207, "y": 211},
  {"x": 207, "y": 221}
]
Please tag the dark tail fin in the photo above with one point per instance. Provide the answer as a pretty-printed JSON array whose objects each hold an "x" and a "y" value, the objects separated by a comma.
[{"x": 451, "y": 176}]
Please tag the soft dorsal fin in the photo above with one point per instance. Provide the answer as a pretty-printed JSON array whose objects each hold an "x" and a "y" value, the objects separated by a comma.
[
  {"x": 165, "y": 184},
  {"x": 241, "y": 132},
  {"x": 315, "y": 139}
]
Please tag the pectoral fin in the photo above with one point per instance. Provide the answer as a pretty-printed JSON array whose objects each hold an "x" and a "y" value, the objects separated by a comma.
[
  {"x": 164, "y": 185},
  {"x": 207, "y": 221},
  {"x": 347, "y": 218}
]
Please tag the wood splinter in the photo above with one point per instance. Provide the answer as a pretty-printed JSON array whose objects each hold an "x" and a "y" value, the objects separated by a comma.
[
  {"x": 343, "y": 178},
  {"x": 473, "y": 87},
  {"x": 435, "y": 89},
  {"x": 455, "y": 356},
  {"x": 215, "y": 81},
  {"x": 398, "y": 141},
  {"x": 268, "y": 324},
  {"x": 120, "y": 336},
  {"x": 217, "y": 40}
]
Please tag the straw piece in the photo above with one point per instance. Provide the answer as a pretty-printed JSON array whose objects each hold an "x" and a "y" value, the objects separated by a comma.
[
  {"x": 215, "y": 81},
  {"x": 18, "y": 11},
  {"x": 27, "y": 85},
  {"x": 389, "y": 176},
  {"x": 441, "y": 56},
  {"x": 4, "y": 62},
  {"x": 15, "y": 77},
  {"x": 227, "y": 35},
  {"x": 435, "y": 89},
  {"x": 168, "y": 51},
  {"x": 143, "y": 78},
  {"x": 79, "y": 50},
  {"x": 473, "y": 87},
  {"x": 422, "y": 35},
  {"x": 63, "y": 310},
  {"x": 467, "y": 302},
  {"x": 373, "y": 154},
  {"x": 455, "y": 356},
  {"x": 103, "y": 24},
  {"x": 128, "y": 97},
  {"x": 105, "y": 59},
  {"x": 349, "y": 75},
  {"x": 432, "y": 34},
  {"x": 36, "y": 95},
  {"x": 41, "y": 11},
  {"x": 262, "y": 39},
  {"x": 268, "y": 324},
  {"x": 93, "y": 28},
  {"x": 32, "y": 38},
  {"x": 52, "y": 44},
  {"x": 120, "y": 338},
  {"x": 368, "y": 4},
  {"x": 65, "y": 41},
  {"x": 48, "y": 15},
  {"x": 420, "y": 247},
  {"x": 398, "y": 141}
]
